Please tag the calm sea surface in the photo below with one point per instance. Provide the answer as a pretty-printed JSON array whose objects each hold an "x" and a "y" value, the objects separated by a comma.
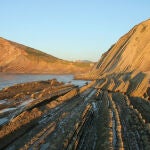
[{"x": 11, "y": 79}]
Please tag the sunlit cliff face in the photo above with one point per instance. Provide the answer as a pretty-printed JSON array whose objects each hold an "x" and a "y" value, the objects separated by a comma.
[
  {"x": 17, "y": 58},
  {"x": 130, "y": 53},
  {"x": 8, "y": 52},
  {"x": 125, "y": 67}
]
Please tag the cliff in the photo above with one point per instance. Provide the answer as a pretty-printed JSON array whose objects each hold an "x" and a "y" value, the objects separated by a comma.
[
  {"x": 125, "y": 67},
  {"x": 130, "y": 53},
  {"x": 17, "y": 58}
]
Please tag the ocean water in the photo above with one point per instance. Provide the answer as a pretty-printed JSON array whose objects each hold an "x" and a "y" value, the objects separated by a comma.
[{"x": 11, "y": 79}]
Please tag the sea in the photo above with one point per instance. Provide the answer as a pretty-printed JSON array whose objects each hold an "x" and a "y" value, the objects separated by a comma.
[{"x": 7, "y": 80}]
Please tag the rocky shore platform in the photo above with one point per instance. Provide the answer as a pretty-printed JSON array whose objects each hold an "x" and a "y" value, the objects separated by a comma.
[{"x": 53, "y": 115}]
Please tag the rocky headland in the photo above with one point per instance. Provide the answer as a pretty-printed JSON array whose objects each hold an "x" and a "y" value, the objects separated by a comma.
[{"x": 18, "y": 58}]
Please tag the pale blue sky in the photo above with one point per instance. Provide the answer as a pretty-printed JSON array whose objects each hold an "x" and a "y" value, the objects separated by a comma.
[{"x": 70, "y": 29}]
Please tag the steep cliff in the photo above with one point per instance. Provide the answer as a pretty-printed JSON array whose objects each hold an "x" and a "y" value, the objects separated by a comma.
[
  {"x": 125, "y": 67},
  {"x": 17, "y": 58},
  {"x": 130, "y": 53}
]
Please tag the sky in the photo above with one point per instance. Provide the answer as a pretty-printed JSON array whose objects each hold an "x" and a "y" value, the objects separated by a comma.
[{"x": 70, "y": 29}]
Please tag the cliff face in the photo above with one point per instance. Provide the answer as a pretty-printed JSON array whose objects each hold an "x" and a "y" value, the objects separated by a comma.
[
  {"x": 17, "y": 58},
  {"x": 130, "y": 53},
  {"x": 125, "y": 67}
]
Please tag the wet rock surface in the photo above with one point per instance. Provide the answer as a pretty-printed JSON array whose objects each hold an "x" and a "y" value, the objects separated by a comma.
[{"x": 63, "y": 116}]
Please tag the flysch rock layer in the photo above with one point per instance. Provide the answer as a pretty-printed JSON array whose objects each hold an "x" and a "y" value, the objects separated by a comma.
[{"x": 125, "y": 67}]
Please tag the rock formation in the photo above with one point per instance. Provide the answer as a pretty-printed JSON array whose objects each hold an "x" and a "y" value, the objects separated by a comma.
[
  {"x": 111, "y": 112},
  {"x": 125, "y": 67},
  {"x": 17, "y": 58}
]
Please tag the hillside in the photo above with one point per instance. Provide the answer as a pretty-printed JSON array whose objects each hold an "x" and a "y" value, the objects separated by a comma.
[
  {"x": 17, "y": 58},
  {"x": 125, "y": 66},
  {"x": 130, "y": 53}
]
